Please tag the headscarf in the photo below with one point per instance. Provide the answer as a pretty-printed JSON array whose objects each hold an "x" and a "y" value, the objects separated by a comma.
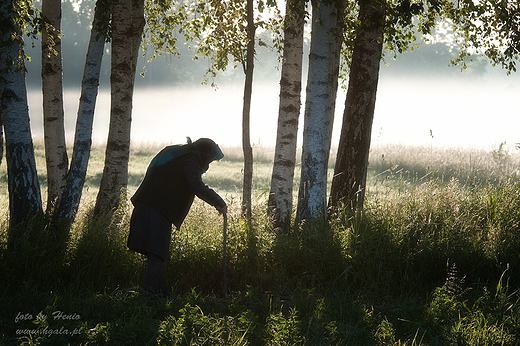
[{"x": 207, "y": 150}]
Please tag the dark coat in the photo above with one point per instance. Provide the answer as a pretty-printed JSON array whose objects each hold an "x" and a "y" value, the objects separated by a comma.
[{"x": 170, "y": 188}]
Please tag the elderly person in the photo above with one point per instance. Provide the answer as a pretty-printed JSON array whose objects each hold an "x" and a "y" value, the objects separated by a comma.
[{"x": 172, "y": 180}]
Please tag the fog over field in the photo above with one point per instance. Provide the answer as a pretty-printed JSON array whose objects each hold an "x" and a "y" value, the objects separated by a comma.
[
  {"x": 459, "y": 113},
  {"x": 419, "y": 95}
]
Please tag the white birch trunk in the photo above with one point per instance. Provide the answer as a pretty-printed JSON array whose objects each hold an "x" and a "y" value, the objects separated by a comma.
[
  {"x": 126, "y": 32},
  {"x": 23, "y": 185},
  {"x": 53, "y": 115},
  {"x": 320, "y": 103},
  {"x": 70, "y": 200},
  {"x": 281, "y": 193}
]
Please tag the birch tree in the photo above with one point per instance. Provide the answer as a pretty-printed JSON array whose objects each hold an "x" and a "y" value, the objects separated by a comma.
[
  {"x": 127, "y": 26},
  {"x": 381, "y": 23},
  {"x": 356, "y": 131},
  {"x": 52, "y": 90},
  {"x": 246, "y": 113},
  {"x": 281, "y": 192},
  {"x": 70, "y": 200},
  {"x": 224, "y": 32},
  {"x": 322, "y": 83},
  {"x": 22, "y": 178}
]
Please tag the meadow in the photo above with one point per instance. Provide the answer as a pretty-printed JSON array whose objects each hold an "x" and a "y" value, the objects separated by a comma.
[{"x": 433, "y": 260}]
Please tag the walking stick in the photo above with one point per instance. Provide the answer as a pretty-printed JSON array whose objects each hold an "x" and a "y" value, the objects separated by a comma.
[{"x": 224, "y": 241}]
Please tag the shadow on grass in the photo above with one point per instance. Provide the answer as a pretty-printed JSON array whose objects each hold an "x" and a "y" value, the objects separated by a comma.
[
  {"x": 387, "y": 279},
  {"x": 79, "y": 293}
]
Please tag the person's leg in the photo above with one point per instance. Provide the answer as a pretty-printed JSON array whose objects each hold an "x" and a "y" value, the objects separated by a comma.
[{"x": 153, "y": 283}]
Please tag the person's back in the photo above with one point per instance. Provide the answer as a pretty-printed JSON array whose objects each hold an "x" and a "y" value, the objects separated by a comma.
[{"x": 172, "y": 180}]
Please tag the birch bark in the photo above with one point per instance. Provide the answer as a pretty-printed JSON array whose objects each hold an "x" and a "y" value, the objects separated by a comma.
[
  {"x": 322, "y": 85},
  {"x": 281, "y": 193},
  {"x": 22, "y": 178},
  {"x": 127, "y": 27},
  {"x": 71, "y": 197},
  {"x": 52, "y": 90},
  {"x": 115, "y": 172},
  {"x": 348, "y": 184}
]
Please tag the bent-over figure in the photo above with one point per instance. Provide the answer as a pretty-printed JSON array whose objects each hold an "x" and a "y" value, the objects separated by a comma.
[{"x": 172, "y": 180}]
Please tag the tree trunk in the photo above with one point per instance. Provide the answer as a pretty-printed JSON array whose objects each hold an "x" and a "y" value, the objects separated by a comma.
[
  {"x": 281, "y": 193},
  {"x": 138, "y": 23},
  {"x": 69, "y": 202},
  {"x": 248, "y": 89},
  {"x": 1, "y": 131},
  {"x": 52, "y": 89},
  {"x": 322, "y": 84},
  {"x": 124, "y": 56},
  {"x": 23, "y": 186},
  {"x": 348, "y": 184}
]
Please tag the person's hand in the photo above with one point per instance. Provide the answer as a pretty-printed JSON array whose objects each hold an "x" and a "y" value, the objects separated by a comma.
[{"x": 222, "y": 210}]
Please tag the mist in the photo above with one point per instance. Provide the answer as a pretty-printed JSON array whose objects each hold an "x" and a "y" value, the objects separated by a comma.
[
  {"x": 421, "y": 100},
  {"x": 419, "y": 95},
  {"x": 479, "y": 112},
  {"x": 466, "y": 112}
]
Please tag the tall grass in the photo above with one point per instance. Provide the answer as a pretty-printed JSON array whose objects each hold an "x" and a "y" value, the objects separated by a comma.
[{"x": 432, "y": 261}]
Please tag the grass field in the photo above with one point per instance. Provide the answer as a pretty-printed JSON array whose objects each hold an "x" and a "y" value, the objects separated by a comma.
[{"x": 434, "y": 260}]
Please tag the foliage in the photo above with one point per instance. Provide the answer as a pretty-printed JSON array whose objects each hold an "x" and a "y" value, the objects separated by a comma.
[
  {"x": 217, "y": 29},
  {"x": 18, "y": 18},
  {"x": 489, "y": 28},
  {"x": 404, "y": 20}
]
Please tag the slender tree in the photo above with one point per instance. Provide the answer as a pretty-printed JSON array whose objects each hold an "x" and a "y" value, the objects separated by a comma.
[
  {"x": 248, "y": 90},
  {"x": 281, "y": 193},
  {"x": 52, "y": 89},
  {"x": 322, "y": 83},
  {"x": 70, "y": 200},
  {"x": 24, "y": 188},
  {"x": 224, "y": 32}
]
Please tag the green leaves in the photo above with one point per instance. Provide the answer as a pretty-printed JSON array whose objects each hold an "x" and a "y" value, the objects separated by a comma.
[
  {"x": 216, "y": 28},
  {"x": 490, "y": 28},
  {"x": 404, "y": 21},
  {"x": 17, "y": 18},
  {"x": 406, "y": 18}
]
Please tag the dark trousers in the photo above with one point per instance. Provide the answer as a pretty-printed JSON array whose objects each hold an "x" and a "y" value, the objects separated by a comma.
[
  {"x": 150, "y": 234},
  {"x": 153, "y": 277}
]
